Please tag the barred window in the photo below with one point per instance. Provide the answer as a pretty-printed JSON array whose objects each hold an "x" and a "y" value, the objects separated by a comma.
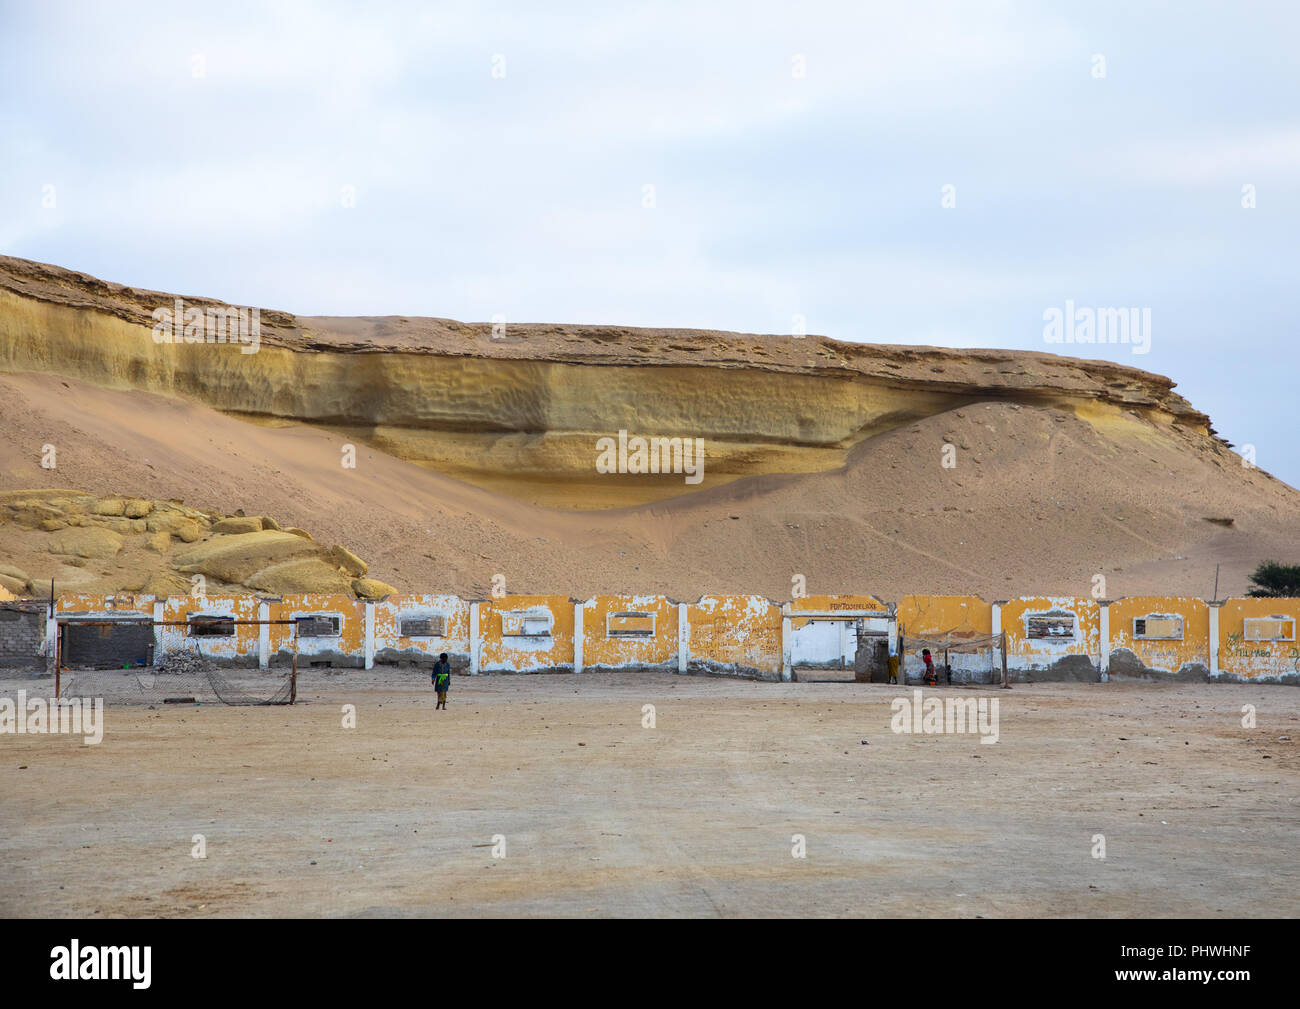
[
  {"x": 424, "y": 626},
  {"x": 203, "y": 626},
  {"x": 319, "y": 625},
  {"x": 1050, "y": 625}
]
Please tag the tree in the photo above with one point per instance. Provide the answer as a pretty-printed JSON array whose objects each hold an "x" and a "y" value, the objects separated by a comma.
[{"x": 1274, "y": 579}]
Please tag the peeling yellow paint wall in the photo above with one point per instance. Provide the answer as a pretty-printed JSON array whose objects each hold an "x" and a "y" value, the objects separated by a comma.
[
  {"x": 832, "y": 603},
  {"x": 345, "y": 649},
  {"x": 523, "y": 654},
  {"x": 239, "y": 646},
  {"x": 1258, "y": 660},
  {"x": 935, "y": 616},
  {"x": 941, "y": 616},
  {"x": 740, "y": 634},
  {"x": 735, "y": 634},
  {"x": 90, "y": 604},
  {"x": 392, "y": 646},
  {"x": 603, "y": 649},
  {"x": 1131, "y": 655},
  {"x": 1075, "y": 657}
]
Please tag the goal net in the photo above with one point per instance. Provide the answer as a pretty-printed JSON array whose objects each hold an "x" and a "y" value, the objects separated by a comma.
[
  {"x": 196, "y": 670},
  {"x": 959, "y": 657}
]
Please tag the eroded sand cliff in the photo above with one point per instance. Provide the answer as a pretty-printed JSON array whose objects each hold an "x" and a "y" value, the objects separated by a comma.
[
  {"x": 475, "y": 456},
  {"x": 522, "y": 414}
]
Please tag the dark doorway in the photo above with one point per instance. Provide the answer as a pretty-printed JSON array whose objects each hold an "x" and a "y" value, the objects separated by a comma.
[
  {"x": 871, "y": 663},
  {"x": 107, "y": 646}
]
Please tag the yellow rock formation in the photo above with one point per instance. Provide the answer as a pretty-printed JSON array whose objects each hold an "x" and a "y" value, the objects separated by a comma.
[
  {"x": 524, "y": 415},
  {"x": 99, "y": 547},
  {"x": 86, "y": 542},
  {"x": 305, "y": 574},
  {"x": 370, "y": 588},
  {"x": 349, "y": 562}
]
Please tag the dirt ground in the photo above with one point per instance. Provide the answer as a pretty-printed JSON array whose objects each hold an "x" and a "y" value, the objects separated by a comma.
[{"x": 693, "y": 817}]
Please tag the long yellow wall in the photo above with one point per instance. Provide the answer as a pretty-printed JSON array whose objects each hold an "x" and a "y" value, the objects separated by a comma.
[
  {"x": 1258, "y": 660},
  {"x": 726, "y": 634}
]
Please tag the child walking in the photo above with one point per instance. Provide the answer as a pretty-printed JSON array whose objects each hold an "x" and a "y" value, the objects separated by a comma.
[{"x": 441, "y": 678}]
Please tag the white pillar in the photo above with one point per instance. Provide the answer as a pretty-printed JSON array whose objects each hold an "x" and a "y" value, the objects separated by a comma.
[
  {"x": 1214, "y": 640},
  {"x": 1105, "y": 640},
  {"x": 997, "y": 630},
  {"x": 159, "y": 633},
  {"x": 370, "y": 636},
  {"x": 683, "y": 638},
  {"x": 577, "y": 637},
  {"x": 52, "y": 641},
  {"x": 787, "y": 644},
  {"x": 473, "y": 639},
  {"x": 263, "y": 635}
]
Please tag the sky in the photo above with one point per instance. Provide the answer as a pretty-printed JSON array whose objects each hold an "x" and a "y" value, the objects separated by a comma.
[{"x": 917, "y": 173}]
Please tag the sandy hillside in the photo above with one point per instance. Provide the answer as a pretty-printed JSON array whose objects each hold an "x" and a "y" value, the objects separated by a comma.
[
  {"x": 1039, "y": 501},
  {"x": 865, "y": 468}
]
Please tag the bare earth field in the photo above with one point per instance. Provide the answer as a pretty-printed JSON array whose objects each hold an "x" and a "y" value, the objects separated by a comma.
[{"x": 695, "y": 817}]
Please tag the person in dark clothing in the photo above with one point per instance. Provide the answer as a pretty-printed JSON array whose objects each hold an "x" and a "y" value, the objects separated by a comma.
[{"x": 441, "y": 678}]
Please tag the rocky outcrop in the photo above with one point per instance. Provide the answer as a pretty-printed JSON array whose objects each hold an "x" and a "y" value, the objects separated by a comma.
[
  {"x": 521, "y": 412},
  {"x": 97, "y": 547}
]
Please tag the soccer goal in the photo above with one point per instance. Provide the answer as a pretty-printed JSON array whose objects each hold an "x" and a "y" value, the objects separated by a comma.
[
  {"x": 115, "y": 659},
  {"x": 958, "y": 657}
]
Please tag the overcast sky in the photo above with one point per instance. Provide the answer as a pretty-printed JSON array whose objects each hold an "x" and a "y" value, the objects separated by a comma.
[{"x": 497, "y": 159}]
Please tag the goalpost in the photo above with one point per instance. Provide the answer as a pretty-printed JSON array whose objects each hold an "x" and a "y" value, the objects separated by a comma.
[
  {"x": 979, "y": 658},
  {"x": 184, "y": 675}
]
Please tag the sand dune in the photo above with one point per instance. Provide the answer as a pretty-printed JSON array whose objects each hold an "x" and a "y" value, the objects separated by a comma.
[
  {"x": 1039, "y": 501},
  {"x": 863, "y": 468}
]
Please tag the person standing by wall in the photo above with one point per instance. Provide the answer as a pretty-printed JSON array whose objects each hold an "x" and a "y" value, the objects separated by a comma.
[{"x": 441, "y": 678}]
